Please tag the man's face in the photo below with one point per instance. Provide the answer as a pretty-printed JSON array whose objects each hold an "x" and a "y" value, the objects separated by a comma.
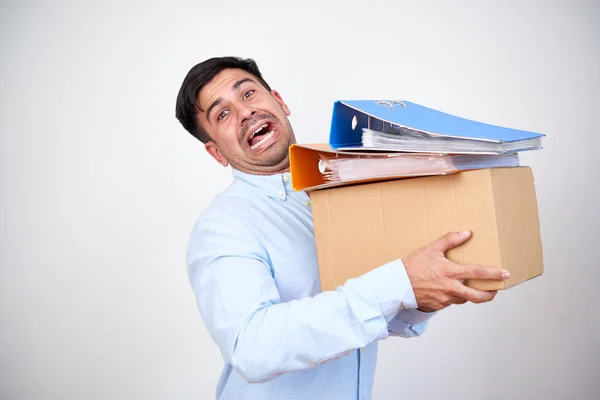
[{"x": 247, "y": 124}]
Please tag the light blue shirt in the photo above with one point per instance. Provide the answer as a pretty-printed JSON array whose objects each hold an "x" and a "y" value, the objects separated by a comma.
[{"x": 253, "y": 268}]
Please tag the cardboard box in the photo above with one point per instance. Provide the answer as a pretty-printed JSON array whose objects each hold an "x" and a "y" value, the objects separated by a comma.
[{"x": 360, "y": 227}]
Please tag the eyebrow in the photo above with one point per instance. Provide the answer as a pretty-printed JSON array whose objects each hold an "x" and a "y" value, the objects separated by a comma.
[{"x": 219, "y": 100}]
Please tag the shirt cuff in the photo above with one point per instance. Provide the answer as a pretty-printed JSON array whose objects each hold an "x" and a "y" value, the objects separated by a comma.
[
  {"x": 415, "y": 317},
  {"x": 392, "y": 287}
]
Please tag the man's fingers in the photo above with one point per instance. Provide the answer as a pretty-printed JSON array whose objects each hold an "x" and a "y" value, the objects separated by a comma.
[
  {"x": 477, "y": 296},
  {"x": 476, "y": 272},
  {"x": 451, "y": 240}
]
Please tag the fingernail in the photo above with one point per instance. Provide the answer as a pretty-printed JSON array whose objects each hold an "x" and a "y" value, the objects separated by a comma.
[
  {"x": 463, "y": 233},
  {"x": 505, "y": 275}
]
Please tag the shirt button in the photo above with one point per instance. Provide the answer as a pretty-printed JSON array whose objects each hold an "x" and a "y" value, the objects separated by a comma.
[
  {"x": 306, "y": 203},
  {"x": 286, "y": 178},
  {"x": 280, "y": 193}
]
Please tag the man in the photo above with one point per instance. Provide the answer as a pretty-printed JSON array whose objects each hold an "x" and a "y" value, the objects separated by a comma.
[{"x": 252, "y": 259}]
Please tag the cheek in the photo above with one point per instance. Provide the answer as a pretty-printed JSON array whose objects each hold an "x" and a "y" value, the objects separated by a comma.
[
  {"x": 229, "y": 140},
  {"x": 276, "y": 108},
  {"x": 227, "y": 131}
]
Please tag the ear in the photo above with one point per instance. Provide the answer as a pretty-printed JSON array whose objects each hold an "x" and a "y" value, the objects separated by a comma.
[
  {"x": 279, "y": 99},
  {"x": 211, "y": 148}
]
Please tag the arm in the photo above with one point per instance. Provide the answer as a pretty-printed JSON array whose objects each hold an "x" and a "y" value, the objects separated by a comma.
[{"x": 260, "y": 336}]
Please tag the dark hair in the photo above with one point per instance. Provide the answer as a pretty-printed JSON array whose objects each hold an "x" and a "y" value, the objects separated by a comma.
[{"x": 186, "y": 108}]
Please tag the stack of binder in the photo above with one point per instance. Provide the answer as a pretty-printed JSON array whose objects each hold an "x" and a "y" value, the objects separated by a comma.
[
  {"x": 379, "y": 216},
  {"x": 383, "y": 140}
]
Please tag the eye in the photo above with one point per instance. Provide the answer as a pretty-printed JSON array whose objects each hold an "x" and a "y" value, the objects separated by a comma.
[
  {"x": 248, "y": 94},
  {"x": 222, "y": 115}
]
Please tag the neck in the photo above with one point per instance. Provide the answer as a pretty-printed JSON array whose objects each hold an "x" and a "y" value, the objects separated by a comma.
[
  {"x": 281, "y": 168},
  {"x": 265, "y": 173}
]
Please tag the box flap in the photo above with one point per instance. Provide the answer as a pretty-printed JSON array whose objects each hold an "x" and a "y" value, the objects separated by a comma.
[{"x": 517, "y": 214}]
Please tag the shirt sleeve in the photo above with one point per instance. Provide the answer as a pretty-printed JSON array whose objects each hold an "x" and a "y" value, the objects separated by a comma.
[{"x": 262, "y": 337}]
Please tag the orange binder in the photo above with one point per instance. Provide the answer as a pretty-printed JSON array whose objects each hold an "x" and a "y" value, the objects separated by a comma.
[
  {"x": 305, "y": 161},
  {"x": 319, "y": 166}
]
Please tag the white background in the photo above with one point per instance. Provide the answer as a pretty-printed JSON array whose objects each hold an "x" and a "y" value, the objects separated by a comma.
[{"x": 101, "y": 185}]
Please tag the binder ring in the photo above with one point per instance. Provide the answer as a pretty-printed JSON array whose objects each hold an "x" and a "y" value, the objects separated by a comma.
[
  {"x": 322, "y": 166},
  {"x": 399, "y": 102},
  {"x": 386, "y": 104}
]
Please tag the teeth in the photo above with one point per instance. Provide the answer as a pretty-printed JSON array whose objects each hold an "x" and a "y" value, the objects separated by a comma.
[
  {"x": 262, "y": 140},
  {"x": 258, "y": 130}
]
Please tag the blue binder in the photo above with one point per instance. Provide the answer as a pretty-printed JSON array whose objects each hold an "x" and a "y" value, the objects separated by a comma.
[{"x": 352, "y": 117}]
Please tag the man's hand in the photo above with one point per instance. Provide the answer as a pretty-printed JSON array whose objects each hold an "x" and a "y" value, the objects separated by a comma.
[{"x": 438, "y": 282}]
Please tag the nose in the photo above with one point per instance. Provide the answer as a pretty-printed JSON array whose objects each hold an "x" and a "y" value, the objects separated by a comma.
[{"x": 246, "y": 113}]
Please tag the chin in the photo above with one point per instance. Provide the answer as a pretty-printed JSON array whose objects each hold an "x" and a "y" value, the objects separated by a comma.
[{"x": 275, "y": 156}]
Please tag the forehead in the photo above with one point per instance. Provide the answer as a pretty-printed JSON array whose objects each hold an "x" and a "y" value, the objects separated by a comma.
[{"x": 221, "y": 85}]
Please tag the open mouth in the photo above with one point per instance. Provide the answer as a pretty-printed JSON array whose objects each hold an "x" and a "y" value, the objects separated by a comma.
[{"x": 260, "y": 135}]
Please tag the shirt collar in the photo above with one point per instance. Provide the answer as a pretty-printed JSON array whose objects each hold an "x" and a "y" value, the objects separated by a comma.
[{"x": 276, "y": 186}]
